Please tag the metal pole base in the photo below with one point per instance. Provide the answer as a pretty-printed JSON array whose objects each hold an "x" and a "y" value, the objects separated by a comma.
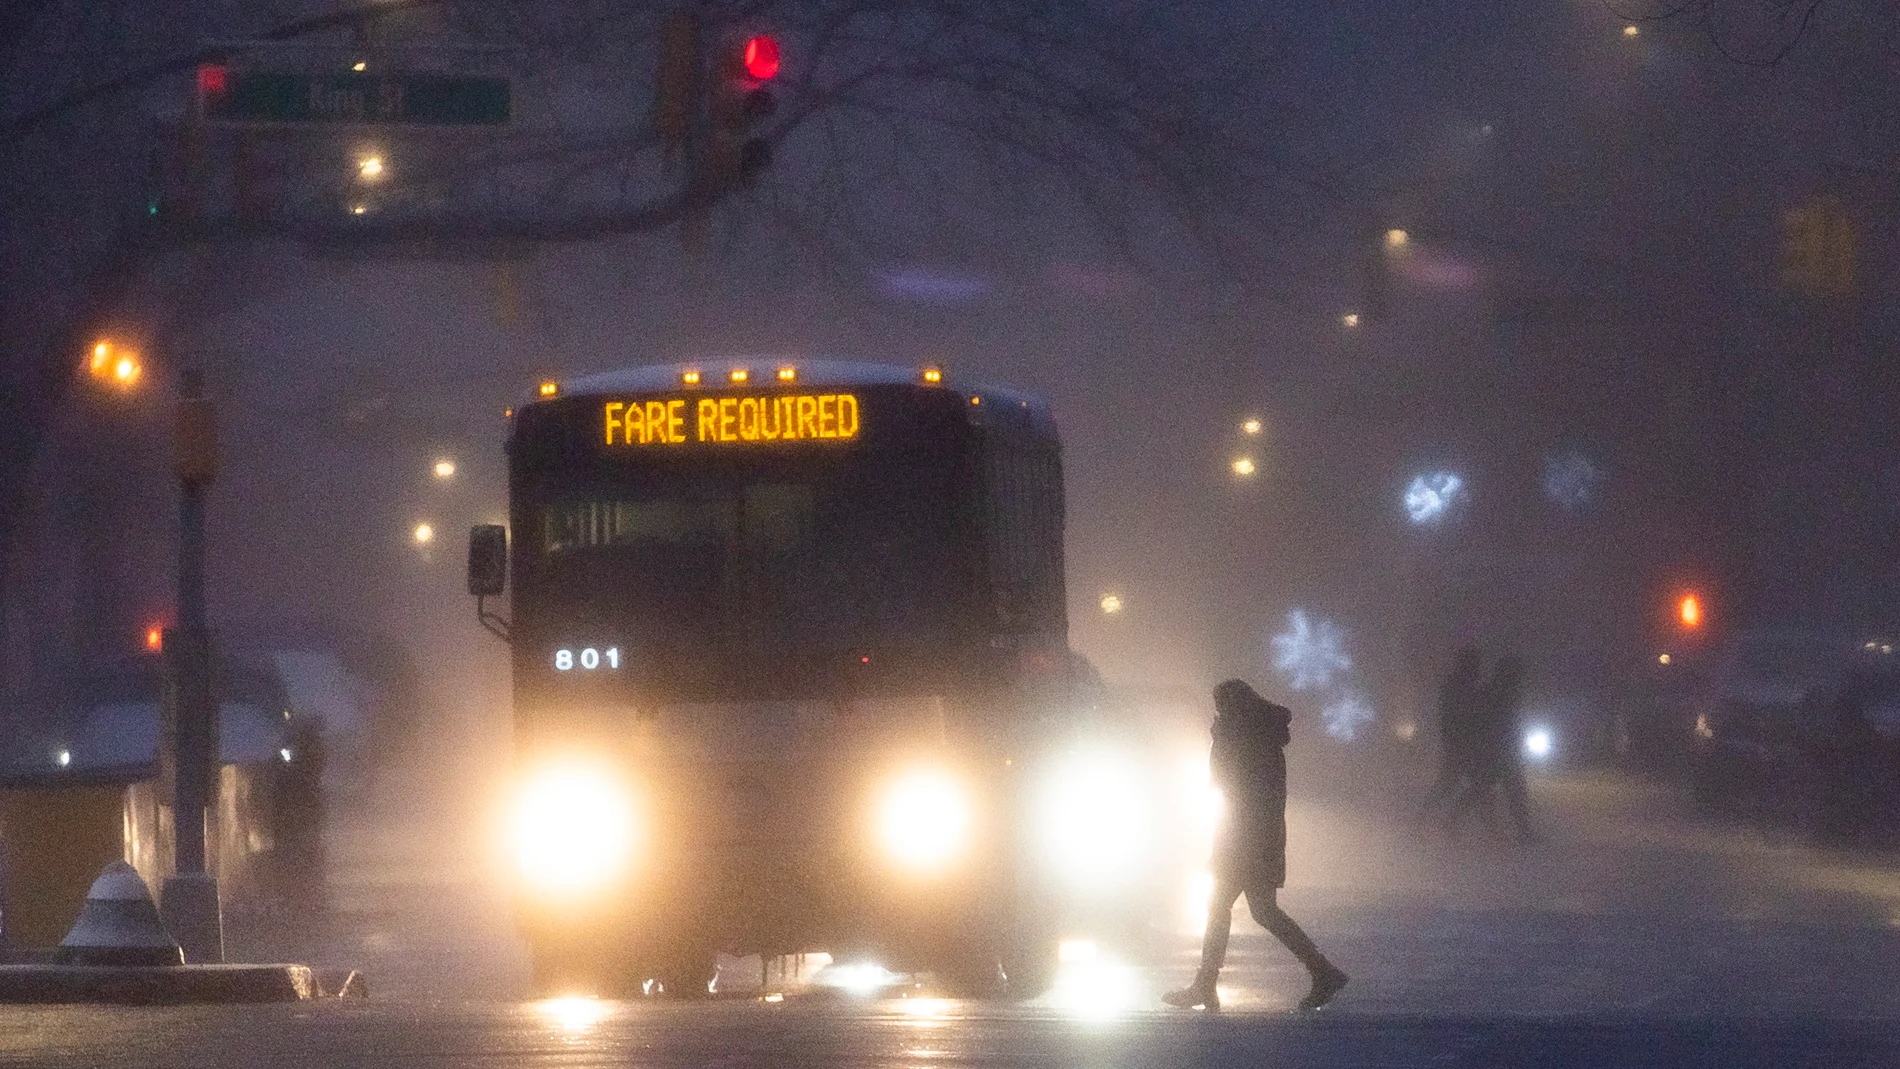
[{"x": 189, "y": 907}]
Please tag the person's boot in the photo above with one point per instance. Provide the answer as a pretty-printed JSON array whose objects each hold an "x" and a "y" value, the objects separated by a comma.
[
  {"x": 1199, "y": 993},
  {"x": 1327, "y": 980}
]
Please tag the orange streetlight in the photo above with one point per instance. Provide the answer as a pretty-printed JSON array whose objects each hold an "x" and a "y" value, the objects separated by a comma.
[
  {"x": 1689, "y": 611},
  {"x": 115, "y": 364}
]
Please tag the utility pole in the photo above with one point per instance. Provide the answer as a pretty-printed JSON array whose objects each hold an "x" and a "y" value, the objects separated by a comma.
[{"x": 190, "y": 900}]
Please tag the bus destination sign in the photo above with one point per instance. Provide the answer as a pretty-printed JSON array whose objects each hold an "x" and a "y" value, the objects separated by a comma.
[{"x": 732, "y": 420}]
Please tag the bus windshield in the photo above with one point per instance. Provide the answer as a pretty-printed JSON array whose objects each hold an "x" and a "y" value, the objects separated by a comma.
[{"x": 781, "y": 566}]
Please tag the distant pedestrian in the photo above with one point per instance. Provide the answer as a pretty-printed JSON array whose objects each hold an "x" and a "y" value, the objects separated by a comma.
[
  {"x": 1457, "y": 716},
  {"x": 1495, "y": 764},
  {"x": 1248, "y": 762}
]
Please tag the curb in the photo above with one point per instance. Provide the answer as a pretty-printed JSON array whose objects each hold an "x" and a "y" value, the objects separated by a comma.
[{"x": 164, "y": 985}]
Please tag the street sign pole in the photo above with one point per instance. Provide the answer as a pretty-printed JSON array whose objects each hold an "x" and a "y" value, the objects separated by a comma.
[{"x": 190, "y": 900}]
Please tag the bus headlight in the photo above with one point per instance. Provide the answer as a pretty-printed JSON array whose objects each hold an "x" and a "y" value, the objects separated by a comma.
[
  {"x": 573, "y": 827},
  {"x": 1092, "y": 819},
  {"x": 923, "y": 820}
]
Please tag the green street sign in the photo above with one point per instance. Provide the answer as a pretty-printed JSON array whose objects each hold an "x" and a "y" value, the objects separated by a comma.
[{"x": 352, "y": 97}]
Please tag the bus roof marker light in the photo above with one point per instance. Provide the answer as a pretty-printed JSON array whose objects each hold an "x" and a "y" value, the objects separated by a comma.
[
  {"x": 740, "y": 374},
  {"x": 690, "y": 378},
  {"x": 787, "y": 374},
  {"x": 933, "y": 375},
  {"x": 549, "y": 389}
]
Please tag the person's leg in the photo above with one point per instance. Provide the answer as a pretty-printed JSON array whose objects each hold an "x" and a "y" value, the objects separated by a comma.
[
  {"x": 1328, "y": 978},
  {"x": 1220, "y": 919},
  {"x": 1264, "y": 904}
]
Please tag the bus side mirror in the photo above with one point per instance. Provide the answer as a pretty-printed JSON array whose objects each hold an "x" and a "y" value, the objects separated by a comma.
[{"x": 487, "y": 560}]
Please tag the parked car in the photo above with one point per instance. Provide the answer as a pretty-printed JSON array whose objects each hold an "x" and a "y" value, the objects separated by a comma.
[
  {"x": 1753, "y": 717},
  {"x": 1850, "y": 770}
]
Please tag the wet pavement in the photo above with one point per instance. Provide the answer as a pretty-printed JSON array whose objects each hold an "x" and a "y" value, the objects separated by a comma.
[
  {"x": 805, "y": 1033},
  {"x": 1632, "y": 936}
]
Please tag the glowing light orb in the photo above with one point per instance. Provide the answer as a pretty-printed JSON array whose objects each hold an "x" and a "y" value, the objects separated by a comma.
[
  {"x": 1092, "y": 820},
  {"x": 925, "y": 820},
  {"x": 857, "y": 978},
  {"x": 1431, "y": 497},
  {"x": 1346, "y": 714},
  {"x": 574, "y": 1015},
  {"x": 1310, "y": 652},
  {"x": 1111, "y": 603},
  {"x": 1538, "y": 743},
  {"x": 573, "y": 828}
]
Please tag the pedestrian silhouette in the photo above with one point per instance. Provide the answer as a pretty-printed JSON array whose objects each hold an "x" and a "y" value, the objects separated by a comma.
[
  {"x": 1248, "y": 762},
  {"x": 1495, "y": 764},
  {"x": 1457, "y": 717}
]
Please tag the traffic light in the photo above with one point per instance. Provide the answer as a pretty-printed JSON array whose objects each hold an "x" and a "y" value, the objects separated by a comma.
[{"x": 742, "y": 101}]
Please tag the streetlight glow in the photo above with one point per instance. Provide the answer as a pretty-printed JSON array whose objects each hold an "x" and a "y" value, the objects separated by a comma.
[
  {"x": 1243, "y": 466},
  {"x": 445, "y": 469},
  {"x": 1250, "y": 426},
  {"x": 424, "y": 534},
  {"x": 1111, "y": 603},
  {"x": 370, "y": 167},
  {"x": 113, "y": 364},
  {"x": 1396, "y": 238},
  {"x": 1349, "y": 320},
  {"x": 1632, "y": 30}
]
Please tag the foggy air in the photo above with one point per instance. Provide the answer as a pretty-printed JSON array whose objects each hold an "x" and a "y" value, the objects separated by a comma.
[{"x": 843, "y": 533}]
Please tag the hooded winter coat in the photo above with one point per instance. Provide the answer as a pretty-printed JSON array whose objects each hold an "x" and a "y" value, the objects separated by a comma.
[{"x": 1248, "y": 763}]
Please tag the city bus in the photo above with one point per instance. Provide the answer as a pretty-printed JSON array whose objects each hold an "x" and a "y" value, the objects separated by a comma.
[{"x": 789, "y": 645}]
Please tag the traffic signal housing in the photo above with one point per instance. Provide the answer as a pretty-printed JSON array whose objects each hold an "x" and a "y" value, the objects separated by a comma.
[{"x": 742, "y": 101}]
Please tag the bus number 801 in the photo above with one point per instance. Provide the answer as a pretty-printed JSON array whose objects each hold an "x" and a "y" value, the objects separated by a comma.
[{"x": 586, "y": 660}]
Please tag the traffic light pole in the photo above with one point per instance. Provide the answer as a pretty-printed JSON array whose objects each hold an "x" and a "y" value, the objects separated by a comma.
[{"x": 190, "y": 901}]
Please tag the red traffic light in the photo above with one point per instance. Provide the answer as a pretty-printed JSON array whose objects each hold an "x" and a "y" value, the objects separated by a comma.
[
  {"x": 760, "y": 58},
  {"x": 213, "y": 79}
]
